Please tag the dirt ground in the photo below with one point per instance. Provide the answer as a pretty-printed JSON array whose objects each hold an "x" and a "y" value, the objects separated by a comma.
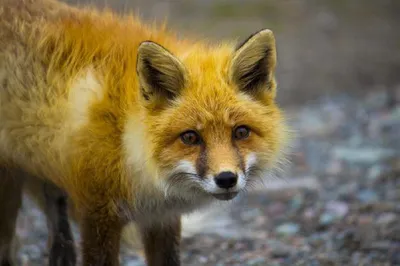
[{"x": 338, "y": 201}]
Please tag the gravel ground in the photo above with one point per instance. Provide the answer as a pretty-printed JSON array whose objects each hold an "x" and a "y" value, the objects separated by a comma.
[{"x": 338, "y": 203}]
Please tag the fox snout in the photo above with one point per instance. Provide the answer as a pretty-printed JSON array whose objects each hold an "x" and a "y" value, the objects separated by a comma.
[
  {"x": 226, "y": 180},
  {"x": 225, "y": 184}
]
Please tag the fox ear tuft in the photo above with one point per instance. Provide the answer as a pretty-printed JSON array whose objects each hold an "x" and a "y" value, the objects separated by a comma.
[
  {"x": 253, "y": 64},
  {"x": 161, "y": 75}
]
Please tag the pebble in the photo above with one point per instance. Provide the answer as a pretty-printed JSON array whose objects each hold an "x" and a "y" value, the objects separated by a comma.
[
  {"x": 337, "y": 208},
  {"x": 309, "y": 213},
  {"x": 377, "y": 99},
  {"x": 378, "y": 245},
  {"x": 362, "y": 155},
  {"x": 256, "y": 261},
  {"x": 33, "y": 251},
  {"x": 386, "y": 219},
  {"x": 288, "y": 229},
  {"x": 24, "y": 259},
  {"x": 280, "y": 252},
  {"x": 327, "y": 218},
  {"x": 374, "y": 172},
  {"x": 395, "y": 258},
  {"x": 347, "y": 240},
  {"x": 276, "y": 208},
  {"x": 134, "y": 263},
  {"x": 316, "y": 240},
  {"x": 367, "y": 196},
  {"x": 334, "y": 167},
  {"x": 347, "y": 191},
  {"x": 297, "y": 201},
  {"x": 326, "y": 259},
  {"x": 249, "y": 215}
]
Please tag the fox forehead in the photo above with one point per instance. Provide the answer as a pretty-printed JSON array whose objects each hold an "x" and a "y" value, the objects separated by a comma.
[
  {"x": 215, "y": 110},
  {"x": 209, "y": 97}
]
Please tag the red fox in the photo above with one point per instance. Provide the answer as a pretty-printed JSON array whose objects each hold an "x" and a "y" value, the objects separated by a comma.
[{"x": 134, "y": 123}]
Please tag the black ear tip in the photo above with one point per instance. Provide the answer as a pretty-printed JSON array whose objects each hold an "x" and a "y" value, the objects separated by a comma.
[
  {"x": 145, "y": 44},
  {"x": 261, "y": 32}
]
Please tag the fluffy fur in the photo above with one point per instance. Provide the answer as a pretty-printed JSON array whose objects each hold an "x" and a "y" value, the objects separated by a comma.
[{"x": 97, "y": 103}]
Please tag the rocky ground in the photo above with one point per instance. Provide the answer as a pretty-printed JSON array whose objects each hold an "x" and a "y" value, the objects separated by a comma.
[{"x": 338, "y": 203}]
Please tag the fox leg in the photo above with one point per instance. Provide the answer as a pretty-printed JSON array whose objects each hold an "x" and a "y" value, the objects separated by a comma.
[
  {"x": 53, "y": 203},
  {"x": 62, "y": 251},
  {"x": 11, "y": 183},
  {"x": 101, "y": 233},
  {"x": 161, "y": 243}
]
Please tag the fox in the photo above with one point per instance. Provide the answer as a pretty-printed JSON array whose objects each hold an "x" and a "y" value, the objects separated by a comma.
[{"x": 134, "y": 123}]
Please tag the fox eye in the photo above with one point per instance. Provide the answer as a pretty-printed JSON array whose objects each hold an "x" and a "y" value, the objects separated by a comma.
[
  {"x": 190, "y": 138},
  {"x": 241, "y": 132}
]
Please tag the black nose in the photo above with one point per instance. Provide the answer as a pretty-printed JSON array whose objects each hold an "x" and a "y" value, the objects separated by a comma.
[{"x": 226, "y": 180}]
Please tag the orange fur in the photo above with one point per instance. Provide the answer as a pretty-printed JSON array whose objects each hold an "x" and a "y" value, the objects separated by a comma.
[{"x": 72, "y": 112}]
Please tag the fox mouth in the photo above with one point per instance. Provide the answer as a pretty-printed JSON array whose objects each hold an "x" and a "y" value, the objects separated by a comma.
[{"x": 225, "y": 196}]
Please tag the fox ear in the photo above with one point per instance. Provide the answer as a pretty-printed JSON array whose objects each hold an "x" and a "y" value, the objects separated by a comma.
[
  {"x": 253, "y": 64},
  {"x": 161, "y": 75}
]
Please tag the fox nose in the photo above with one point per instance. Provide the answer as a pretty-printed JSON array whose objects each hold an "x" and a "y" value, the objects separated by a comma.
[{"x": 226, "y": 180}]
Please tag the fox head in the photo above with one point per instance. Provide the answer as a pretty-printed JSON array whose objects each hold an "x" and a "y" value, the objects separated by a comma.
[{"x": 210, "y": 122}]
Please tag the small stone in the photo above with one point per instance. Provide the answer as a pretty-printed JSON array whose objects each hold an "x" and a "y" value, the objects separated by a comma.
[
  {"x": 348, "y": 240},
  {"x": 316, "y": 240},
  {"x": 334, "y": 167},
  {"x": 256, "y": 261},
  {"x": 356, "y": 258},
  {"x": 134, "y": 263},
  {"x": 249, "y": 215},
  {"x": 378, "y": 207},
  {"x": 367, "y": 196},
  {"x": 393, "y": 194},
  {"x": 202, "y": 259},
  {"x": 386, "y": 219},
  {"x": 377, "y": 99},
  {"x": 338, "y": 208},
  {"x": 24, "y": 259},
  {"x": 326, "y": 218},
  {"x": 365, "y": 219},
  {"x": 394, "y": 233},
  {"x": 374, "y": 172},
  {"x": 395, "y": 258},
  {"x": 297, "y": 201},
  {"x": 363, "y": 155},
  {"x": 347, "y": 191},
  {"x": 33, "y": 251},
  {"x": 288, "y": 229},
  {"x": 309, "y": 214},
  {"x": 326, "y": 260},
  {"x": 276, "y": 208},
  {"x": 281, "y": 251},
  {"x": 378, "y": 245}
]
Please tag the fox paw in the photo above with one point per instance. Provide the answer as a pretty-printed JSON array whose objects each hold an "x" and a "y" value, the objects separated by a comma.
[
  {"x": 6, "y": 262},
  {"x": 62, "y": 252}
]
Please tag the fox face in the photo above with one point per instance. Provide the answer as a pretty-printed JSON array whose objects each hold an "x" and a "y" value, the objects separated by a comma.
[{"x": 210, "y": 121}]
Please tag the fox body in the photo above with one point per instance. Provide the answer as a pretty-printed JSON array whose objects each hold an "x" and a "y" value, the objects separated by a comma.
[{"x": 132, "y": 122}]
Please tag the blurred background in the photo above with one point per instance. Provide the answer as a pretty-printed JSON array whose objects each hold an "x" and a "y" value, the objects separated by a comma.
[{"x": 338, "y": 201}]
